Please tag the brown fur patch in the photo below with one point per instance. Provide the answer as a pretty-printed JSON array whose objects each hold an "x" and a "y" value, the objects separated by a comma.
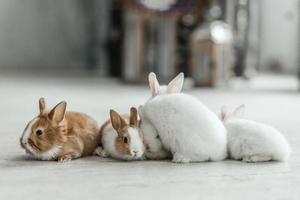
[
  {"x": 121, "y": 147},
  {"x": 85, "y": 130},
  {"x": 51, "y": 134},
  {"x": 133, "y": 122},
  {"x": 42, "y": 105},
  {"x": 120, "y": 140}
]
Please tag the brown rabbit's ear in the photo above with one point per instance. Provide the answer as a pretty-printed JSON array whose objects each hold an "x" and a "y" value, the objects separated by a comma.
[
  {"x": 133, "y": 117},
  {"x": 175, "y": 86},
  {"x": 57, "y": 114},
  {"x": 117, "y": 121},
  {"x": 153, "y": 84},
  {"x": 42, "y": 105}
]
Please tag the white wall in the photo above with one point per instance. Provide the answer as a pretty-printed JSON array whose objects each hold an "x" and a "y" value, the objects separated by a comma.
[
  {"x": 279, "y": 34},
  {"x": 41, "y": 34}
]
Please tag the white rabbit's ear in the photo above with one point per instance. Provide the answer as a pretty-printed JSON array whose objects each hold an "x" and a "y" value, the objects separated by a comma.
[
  {"x": 239, "y": 111},
  {"x": 175, "y": 86},
  {"x": 140, "y": 112},
  {"x": 153, "y": 83},
  {"x": 223, "y": 114},
  {"x": 42, "y": 105}
]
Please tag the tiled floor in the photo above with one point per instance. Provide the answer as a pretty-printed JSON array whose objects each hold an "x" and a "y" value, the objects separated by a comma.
[{"x": 95, "y": 178}]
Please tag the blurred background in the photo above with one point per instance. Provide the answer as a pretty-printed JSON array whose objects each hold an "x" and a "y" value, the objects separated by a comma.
[{"x": 211, "y": 41}]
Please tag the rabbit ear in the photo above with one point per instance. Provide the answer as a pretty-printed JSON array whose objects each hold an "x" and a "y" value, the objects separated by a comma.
[
  {"x": 153, "y": 83},
  {"x": 223, "y": 114},
  {"x": 57, "y": 114},
  {"x": 239, "y": 111},
  {"x": 42, "y": 105},
  {"x": 175, "y": 86},
  {"x": 117, "y": 121},
  {"x": 133, "y": 122},
  {"x": 140, "y": 112}
]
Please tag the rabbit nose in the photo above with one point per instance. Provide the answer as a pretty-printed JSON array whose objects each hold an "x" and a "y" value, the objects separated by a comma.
[
  {"x": 135, "y": 152},
  {"x": 147, "y": 146}
]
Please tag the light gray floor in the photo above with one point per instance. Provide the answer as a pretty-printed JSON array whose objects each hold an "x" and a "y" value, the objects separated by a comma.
[{"x": 95, "y": 178}]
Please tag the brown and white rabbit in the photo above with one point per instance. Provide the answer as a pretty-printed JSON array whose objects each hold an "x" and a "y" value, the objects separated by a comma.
[
  {"x": 121, "y": 137},
  {"x": 60, "y": 135}
]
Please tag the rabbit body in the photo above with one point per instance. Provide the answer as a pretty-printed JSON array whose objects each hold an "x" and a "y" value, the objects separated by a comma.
[
  {"x": 252, "y": 141},
  {"x": 187, "y": 128}
]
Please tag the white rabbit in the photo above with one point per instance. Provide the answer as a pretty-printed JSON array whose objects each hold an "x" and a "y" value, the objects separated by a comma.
[
  {"x": 154, "y": 149},
  {"x": 153, "y": 144},
  {"x": 187, "y": 128},
  {"x": 252, "y": 141}
]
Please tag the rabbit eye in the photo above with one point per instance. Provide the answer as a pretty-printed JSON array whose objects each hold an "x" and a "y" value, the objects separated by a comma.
[
  {"x": 39, "y": 132},
  {"x": 157, "y": 137},
  {"x": 125, "y": 140}
]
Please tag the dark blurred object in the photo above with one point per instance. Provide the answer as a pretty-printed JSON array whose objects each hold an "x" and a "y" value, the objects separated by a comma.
[
  {"x": 211, "y": 58},
  {"x": 151, "y": 37},
  {"x": 97, "y": 15},
  {"x": 241, "y": 36},
  {"x": 92, "y": 43},
  {"x": 115, "y": 39},
  {"x": 186, "y": 24},
  {"x": 244, "y": 18}
]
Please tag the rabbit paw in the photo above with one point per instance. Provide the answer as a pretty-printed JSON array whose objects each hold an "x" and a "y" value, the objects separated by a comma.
[
  {"x": 177, "y": 158},
  {"x": 257, "y": 158},
  {"x": 99, "y": 151},
  {"x": 65, "y": 158}
]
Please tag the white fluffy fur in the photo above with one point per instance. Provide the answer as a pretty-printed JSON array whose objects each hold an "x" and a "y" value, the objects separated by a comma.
[
  {"x": 252, "y": 141},
  {"x": 136, "y": 143},
  {"x": 187, "y": 128},
  {"x": 47, "y": 155},
  {"x": 26, "y": 132},
  {"x": 154, "y": 148},
  {"x": 109, "y": 136}
]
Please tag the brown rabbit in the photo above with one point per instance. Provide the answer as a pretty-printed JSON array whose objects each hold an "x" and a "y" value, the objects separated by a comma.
[
  {"x": 121, "y": 137},
  {"x": 60, "y": 135}
]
